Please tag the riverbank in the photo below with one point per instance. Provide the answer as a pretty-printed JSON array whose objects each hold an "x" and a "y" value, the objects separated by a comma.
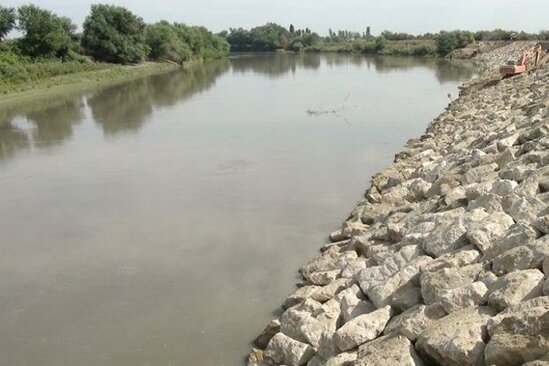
[
  {"x": 71, "y": 83},
  {"x": 446, "y": 260}
]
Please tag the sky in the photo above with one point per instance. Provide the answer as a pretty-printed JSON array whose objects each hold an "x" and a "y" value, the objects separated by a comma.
[{"x": 412, "y": 16}]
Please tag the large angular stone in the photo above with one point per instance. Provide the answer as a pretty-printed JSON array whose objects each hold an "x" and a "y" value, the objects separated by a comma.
[
  {"x": 284, "y": 350},
  {"x": 300, "y": 295},
  {"x": 526, "y": 256},
  {"x": 413, "y": 321},
  {"x": 352, "y": 305},
  {"x": 459, "y": 258},
  {"x": 268, "y": 332},
  {"x": 435, "y": 284},
  {"x": 383, "y": 293},
  {"x": 516, "y": 287},
  {"x": 392, "y": 350},
  {"x": 519, "y": 334},
  {"x": 486, "y": 233},
  {"x": 463, "y": 297},
  {"x": 362, "y": 329},
  {"x": 516, "y": 235},
  {"x": 446, "y": 238},
  {"x": 457, "y": 339}
]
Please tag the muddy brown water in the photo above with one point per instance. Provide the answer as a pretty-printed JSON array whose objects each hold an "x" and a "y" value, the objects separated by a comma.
[{"x": 162, "y": 221}]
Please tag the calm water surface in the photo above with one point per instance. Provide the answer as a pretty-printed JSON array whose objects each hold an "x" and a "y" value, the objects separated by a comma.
[{"x": 162, "y": 221}]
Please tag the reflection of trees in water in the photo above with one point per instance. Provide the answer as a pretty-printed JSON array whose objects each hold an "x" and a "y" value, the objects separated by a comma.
[
  {"x": 12, "y": 139},
  {"x": 444, "y": 70},
  {"x": 55, "y": 124},
  {"x": 275, "y": 64},
  {"x": 116, "y": 109},
  {"x": 121, "y": 107},
  {"x": 168, "y": 89},
  {"x": 50, "y": 122},
  {"x": 126, "y": 107},
  {"x": 278, "y": 64}
]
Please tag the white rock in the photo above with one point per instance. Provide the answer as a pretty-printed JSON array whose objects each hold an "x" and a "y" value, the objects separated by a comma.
[
  {"x": 413, "y": 321},
  {"x": 516, "y": 287},
  {"x": 362, "y": 329},
  {"x": 392, "y": 350},
  {"x": 285, "y": 350},
  {"x": 522, "y": 257},
  {"x": 519, "y": 334},
  {"x": 456, "y": 339},
  {"x": 484, "y": 234}
]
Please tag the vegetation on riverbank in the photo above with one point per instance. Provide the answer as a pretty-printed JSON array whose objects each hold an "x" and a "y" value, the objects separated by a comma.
[
  {"x": 49, "y": 47},
  {"x": 271, "y": 37}
]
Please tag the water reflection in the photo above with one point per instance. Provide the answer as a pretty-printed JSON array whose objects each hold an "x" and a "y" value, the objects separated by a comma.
[
  {"x": 126, "y": 108},
  {"x": 116, "y": 109},
  {"x": 282, "y": 63}
]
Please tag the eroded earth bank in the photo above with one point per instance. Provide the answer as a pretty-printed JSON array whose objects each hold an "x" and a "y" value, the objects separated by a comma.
[{"x": 446, "y": 261}]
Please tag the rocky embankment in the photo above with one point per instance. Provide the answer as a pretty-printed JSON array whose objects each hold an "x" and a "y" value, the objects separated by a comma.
[{"x": 446, "y": 262}]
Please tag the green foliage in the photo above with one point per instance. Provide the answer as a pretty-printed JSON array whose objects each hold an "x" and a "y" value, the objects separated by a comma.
[
  {"x": 270, "y": 37},
  {"x": 179, "y": 43},
  {"x": 7, "y": 21},
  {"x": 45, "y": 34},
  {"x": 165, "y": 43},
  {"x": 114, "y": 34},
  {"x": 16, "y": 69},
  {"x": 391, "y": 36},
  {"x": 448, "y": 41}
]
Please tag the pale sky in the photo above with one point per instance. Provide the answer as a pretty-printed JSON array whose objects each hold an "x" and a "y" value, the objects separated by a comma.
[{"x": 412, "y": 16}]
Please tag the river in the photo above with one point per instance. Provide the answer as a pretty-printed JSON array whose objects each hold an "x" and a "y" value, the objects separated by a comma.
[{"x": 162, "y": 221}]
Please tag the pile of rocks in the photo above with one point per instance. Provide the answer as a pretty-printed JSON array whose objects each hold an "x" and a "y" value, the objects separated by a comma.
[
  {"x": 446, "y": 261},
  {"x": 495, "y": 58}
]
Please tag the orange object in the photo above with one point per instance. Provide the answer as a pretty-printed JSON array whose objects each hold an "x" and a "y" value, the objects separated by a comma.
[{"x": 520, "y": 66}]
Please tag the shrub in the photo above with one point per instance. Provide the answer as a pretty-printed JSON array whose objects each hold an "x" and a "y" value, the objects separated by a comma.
[{"x": 114, "y": 34}]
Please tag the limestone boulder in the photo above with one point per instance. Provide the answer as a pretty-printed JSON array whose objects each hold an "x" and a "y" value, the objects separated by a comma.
[
  {"x": 392, "y": 350},
  {"x": 484, "y": 234},
  {"x": 267, "y": 333},
  {"x": 526, "y": 256},
  {"x": 516, "y": 235},
  {"x": 457, "y": 339},
  {"x": 362, "y": 329},
  {"x": 300, "y": 295},
  {"x": 435, "y": 284},
  {"x": 284, "y": 350},
  {"x": 516, "y": 287},
  {"x": 413, "y": 321},
  {"x": 519, "y": 334}
]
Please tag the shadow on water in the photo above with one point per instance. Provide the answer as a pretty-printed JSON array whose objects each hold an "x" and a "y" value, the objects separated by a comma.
[{"x": 116, "y": 109}]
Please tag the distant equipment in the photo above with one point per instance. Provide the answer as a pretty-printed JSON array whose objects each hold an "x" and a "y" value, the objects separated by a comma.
[{"x": 513, "y": 67}]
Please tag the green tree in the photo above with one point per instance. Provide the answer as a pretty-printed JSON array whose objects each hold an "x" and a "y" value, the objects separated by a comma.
[
  {"x": 114, "y": 34},
  {"x": 7, "y": 21},
  {"x": 165, "y": 43},
  {"x": 292, "y": 29},
  {"x": 448, "y": 41},
  {"x": 45, "y": 34}
]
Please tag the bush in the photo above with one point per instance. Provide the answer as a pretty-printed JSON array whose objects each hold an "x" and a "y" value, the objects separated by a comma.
[
  {"x": 448, "y": 41},
  {"x": 114, "y": 34},
  {"x": 46, "y": 34},
  {"x": 165, "y": 44}
]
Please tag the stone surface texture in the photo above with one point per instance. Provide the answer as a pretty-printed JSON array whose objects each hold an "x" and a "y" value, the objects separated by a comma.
[{"x": 446, "y": 261}]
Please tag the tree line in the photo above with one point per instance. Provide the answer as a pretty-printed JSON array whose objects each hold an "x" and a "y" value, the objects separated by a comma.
[
  {"x": 110, "y": 34},
  {"x": 272, "y": 36}
]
